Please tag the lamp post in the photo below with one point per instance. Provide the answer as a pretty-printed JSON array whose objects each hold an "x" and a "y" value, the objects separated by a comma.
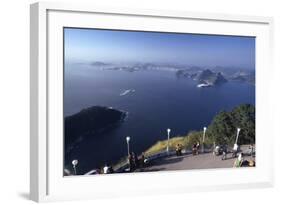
[
  {"x": 238, "y": 130},
  {"x": 168, "y": 133},
  {"x": 204, "y": 132},
  {"x": 74, "y": 163},
  {"x": 128, "y": 145},
  {"x": 235, "y": 147}
]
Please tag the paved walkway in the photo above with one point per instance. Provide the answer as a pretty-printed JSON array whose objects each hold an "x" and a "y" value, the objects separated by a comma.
[{"x": 187, "y": 162}]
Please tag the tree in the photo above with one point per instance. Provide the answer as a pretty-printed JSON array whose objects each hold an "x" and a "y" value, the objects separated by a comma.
[
  {"x": 244, "y": 117},
  {"x": 223, "y": 128}
]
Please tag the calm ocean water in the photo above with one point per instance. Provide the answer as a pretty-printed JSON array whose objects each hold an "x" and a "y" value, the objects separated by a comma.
[{"x": 160, "y": 101}]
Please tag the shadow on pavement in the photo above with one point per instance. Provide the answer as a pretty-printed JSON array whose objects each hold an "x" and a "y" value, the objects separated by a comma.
[
  {"x": 152, "y": 169},
  {"x": 166, "y": 161}
]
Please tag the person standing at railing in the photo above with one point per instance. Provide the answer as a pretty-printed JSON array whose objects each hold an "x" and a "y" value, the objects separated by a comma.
[
  {"x": 110, "y": 170},
  {"x": 137, "y": 163},
  {"x": 130, "y": 160},
  {"x": 197, "y": 148},
  {"x": 142, "y": 158},
  {"x": 194, "y": 149},
  {"x": 105, "y": 169},
  {"x": 133, "y": 162},
  {"x": 252, "y": 150},
  {"x": 178, "y": 150},
  {"x": 224, "y": 152}
]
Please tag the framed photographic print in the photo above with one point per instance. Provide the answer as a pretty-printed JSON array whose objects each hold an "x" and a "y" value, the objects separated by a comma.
[{"x": 144, "y": 99}]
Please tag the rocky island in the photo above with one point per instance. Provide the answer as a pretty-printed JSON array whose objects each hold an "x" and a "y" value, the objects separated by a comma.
[
  {"x": 205, "y": 78},
  {"x": 209, "y": 78},
  {"x": 90, "y": 121}
]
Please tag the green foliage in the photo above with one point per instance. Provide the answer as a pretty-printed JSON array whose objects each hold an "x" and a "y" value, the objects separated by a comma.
[
  {"x": 223, "y": 128},
  {"x": 162, "y": 145},
  {"x": 193, "y": 137},
  {"x": 244, "y": 117}
]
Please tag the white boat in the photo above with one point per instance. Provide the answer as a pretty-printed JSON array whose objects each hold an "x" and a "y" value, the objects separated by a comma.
[{"x": 203, "y": 85}]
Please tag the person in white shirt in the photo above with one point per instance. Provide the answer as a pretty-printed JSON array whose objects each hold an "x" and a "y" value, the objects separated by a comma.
[{"x": 105, "y": 169}]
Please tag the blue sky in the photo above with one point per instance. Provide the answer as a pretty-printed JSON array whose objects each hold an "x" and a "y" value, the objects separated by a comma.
[{"x": 88, "y": 45}]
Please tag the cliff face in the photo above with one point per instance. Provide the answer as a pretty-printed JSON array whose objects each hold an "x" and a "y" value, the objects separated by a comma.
[
  {"x": 206, "y": 76},
  {"x": 212, "y": 78},
  {"x": 90, "y": 121}
]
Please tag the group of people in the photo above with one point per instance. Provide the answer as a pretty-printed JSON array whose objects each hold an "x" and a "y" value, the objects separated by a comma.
[
  {"x": 135, "y": 161},
  {"x": 241, "y": 162},
  {"x": 221, "y": 150},
  {"x": 195, "y": 148},
  {"x": 103, "y": 170},
  {"x": 108, "y": 170}
]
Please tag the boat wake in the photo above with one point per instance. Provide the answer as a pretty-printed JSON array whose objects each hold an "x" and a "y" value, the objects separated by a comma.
[{"x": 126, "y": 92}]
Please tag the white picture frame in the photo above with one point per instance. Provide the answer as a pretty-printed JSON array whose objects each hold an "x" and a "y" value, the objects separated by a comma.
[{"x": 46, "y": 179}]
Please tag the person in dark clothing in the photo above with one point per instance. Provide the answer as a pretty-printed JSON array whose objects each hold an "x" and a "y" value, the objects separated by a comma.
[
  {"x": 130, "y": 159},
  {"x": 194, "y": 149},
  {"x": 142, "y": 158},
  {"x": 134, "y": 161},
  {"x": 178, "y": 150},
  {"x": 137, "y": 163},
  {"x": 224, "y": 152},
  {"x": 110, "y": 170}
]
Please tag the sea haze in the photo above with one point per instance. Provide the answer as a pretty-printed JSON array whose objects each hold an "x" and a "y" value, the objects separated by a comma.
[{"x": 155, "y": 99}]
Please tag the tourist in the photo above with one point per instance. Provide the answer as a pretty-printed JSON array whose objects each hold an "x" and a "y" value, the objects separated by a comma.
[
  {"x": 239, "y": 161},
  {"x": 110, "y": 170},
  {"x": 142, "y": 159},
  {"x": 252, "y": 163},
  {"x": 251, "y": 150},
  {"x": 134, "y": 161},
  {"x": 105, "y": 169},
  {"x": 98, "y": 171},
  {"x": 197, "y": 148},
  {"x": 224, "y": 152},
  {"x": 216, "y": 150},
  {"x": 137, "y": 163},
  {"x": 194, "y": 149},
  {"x": 180, "y": 149}
]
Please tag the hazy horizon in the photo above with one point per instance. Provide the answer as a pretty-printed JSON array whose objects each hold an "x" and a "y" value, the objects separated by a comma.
[{"x": 119, "y": 47}]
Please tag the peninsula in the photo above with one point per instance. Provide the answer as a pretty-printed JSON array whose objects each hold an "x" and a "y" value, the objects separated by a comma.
[{"x": 90, "y": 121}]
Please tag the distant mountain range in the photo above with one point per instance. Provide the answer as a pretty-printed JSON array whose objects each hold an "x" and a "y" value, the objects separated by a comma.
[
  {"x": 217, "y": 76},
  {"x": 99, "y": 63},
  {"x": 209, "y": 76}
]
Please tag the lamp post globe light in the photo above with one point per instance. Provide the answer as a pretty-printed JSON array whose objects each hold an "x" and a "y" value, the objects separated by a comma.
[
  {"x": 74, "y": 163},
  {"x": 203, "y": 140},
  {"x": 168, "y": 133},
  {"x": 128, "y": 144}
]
